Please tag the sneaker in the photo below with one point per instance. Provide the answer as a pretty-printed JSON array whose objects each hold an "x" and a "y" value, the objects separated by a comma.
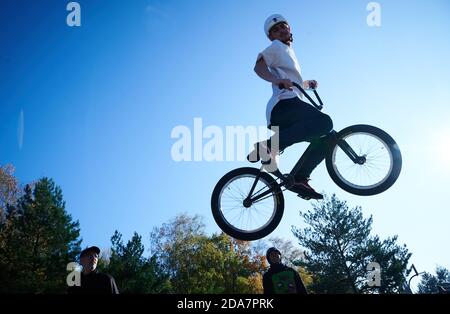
[{"x": 304, "y": 190}]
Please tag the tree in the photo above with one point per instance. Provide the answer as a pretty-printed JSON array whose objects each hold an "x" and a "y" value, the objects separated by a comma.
[
  {"x": 133, "y": 272},
  {"x": 241, "y": 266},
  {"x": 174, "y": 244},
  {"x": 37, "y": 242},
  {"x": 198, "y": 263},
  {"x": 9, "y": 190},
  {"x": 435, "y": 284},
  {"x": 340, "y": 248}
]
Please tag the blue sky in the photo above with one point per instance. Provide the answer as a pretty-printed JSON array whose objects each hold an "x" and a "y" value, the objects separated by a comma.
[{"x": 93, "y": 107}]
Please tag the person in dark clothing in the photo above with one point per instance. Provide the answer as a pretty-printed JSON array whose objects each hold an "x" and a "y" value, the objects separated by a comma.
[
  {"x": 281, "y": 279},
  {"x": 92, "y": 281}
]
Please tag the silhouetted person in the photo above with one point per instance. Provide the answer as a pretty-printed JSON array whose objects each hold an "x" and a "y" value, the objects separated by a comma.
[
  {"x": 92, "y": 281},
  {"x": 280, "y": 278}
]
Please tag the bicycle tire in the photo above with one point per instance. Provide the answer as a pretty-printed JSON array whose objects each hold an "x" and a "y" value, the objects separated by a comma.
[
  {"x": 234, "y": 231},
  {"x": 393, "y": 152}
]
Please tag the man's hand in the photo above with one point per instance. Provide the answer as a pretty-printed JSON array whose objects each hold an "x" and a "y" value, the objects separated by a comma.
[
  {"x": 284, "y": 83},
  {"x": 310, "y": 84}
]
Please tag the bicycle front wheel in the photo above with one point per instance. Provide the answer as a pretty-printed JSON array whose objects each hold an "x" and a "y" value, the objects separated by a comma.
[
  {"x": 236, "y": 215},
  {"x": 379, "y": 165}
]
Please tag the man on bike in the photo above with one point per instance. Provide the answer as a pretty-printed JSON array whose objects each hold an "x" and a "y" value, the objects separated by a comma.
[{"x": 297, "y": 121}]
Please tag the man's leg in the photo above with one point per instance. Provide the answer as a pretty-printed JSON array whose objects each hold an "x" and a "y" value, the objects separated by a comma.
[
  {"x": 298, "y": 122},
  {"x": 309, "y": 128},
  {"x": 285, "y": 114},
  {"x": 311, "y": 158}
]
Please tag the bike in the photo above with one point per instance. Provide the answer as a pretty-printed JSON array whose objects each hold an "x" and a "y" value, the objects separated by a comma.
[{"x": 248, "y": 204}]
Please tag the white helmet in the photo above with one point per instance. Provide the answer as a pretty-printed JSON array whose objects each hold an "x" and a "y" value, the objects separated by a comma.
[{"x": 272, "y": 20}]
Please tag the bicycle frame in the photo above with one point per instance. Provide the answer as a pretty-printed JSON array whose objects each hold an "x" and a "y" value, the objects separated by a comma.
[
  {"x": 333, "y": 135},
  {"x": 287, "y": 180}
]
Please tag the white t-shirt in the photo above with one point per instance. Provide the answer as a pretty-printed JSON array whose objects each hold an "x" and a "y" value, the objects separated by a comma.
[{"x": 281, "y": 60}]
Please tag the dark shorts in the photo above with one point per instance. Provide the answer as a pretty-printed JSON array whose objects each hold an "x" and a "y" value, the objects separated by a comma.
[
  {"x": 299, "y": 121},
  {"x": 288, "y": 112}
]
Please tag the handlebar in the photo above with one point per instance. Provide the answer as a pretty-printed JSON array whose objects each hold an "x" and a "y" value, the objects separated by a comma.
[{"x": 319, "y": 107}]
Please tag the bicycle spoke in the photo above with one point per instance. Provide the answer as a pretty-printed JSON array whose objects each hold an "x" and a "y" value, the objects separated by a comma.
[
  {"x": 234, "y": 194},
  {"x": 377, "y": 165},
  {"x": 232, "y": 204}
]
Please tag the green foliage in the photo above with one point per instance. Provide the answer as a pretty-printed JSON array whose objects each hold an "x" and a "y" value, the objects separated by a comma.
[
  {"x": 37, "y": 241},
  {"x": 132, "y": 271},
  {"x": 430, "y": 284},
  {"x": 339, "y": 249},
  {"x": 198, "y": 263},
  {"x": 9, "y": 190}
]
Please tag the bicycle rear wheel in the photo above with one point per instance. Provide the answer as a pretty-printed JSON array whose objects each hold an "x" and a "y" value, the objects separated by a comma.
[
  {"x": 379, "y": 166},
  {"x": 239, "y": 218}
]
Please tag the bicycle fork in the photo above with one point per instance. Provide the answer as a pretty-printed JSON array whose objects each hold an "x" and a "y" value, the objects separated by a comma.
[
  {"x": 346, "y": 148},
  {"x": 332, "y": 140}
]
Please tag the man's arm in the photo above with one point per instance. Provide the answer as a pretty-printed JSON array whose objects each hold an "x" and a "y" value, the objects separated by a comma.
[{"x": 263, "y": 72}]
